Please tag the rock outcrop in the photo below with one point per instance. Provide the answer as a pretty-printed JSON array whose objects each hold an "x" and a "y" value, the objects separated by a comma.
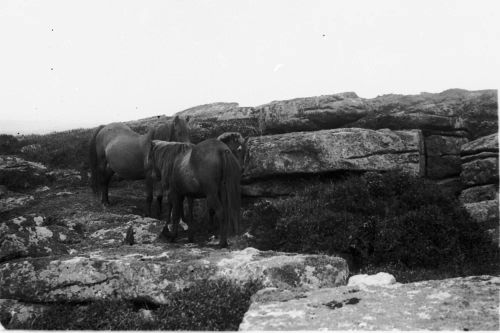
[
  {"x": 453, "y": 112},
  {"x": 464, "y": 304},
  {"x": 447, "y": 121},
  {"x": 16, "y": 173},
  {"x": 351, "y": 149}
]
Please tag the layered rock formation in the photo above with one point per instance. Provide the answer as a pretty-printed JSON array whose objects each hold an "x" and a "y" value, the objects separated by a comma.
[
  {"x": 455, "y": 112},
  {"x": 479, "y": 178},
  {"x": 447, "y": 121}
]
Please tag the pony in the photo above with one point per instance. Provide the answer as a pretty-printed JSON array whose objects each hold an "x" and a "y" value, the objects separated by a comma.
[
  {"x": 205, "y": 170},
  {"x": 115, "y": 148}
]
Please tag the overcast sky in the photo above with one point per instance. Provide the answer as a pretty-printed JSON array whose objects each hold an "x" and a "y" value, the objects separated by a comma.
[{"x": 67, "y": 64}]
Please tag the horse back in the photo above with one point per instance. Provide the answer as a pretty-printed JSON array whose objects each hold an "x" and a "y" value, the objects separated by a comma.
[
  {"x": 123, "y": 150},
  {"x": 207, "y": 160}
]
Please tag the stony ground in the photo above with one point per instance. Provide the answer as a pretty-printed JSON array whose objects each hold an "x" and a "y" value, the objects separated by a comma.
[{"x": 59, "y": 244}]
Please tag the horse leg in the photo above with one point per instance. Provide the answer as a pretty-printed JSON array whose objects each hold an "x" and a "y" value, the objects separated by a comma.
[
  {"x": 214, "y": 203},
  {"x": 159, "y": 202},
  {"x": 149, "y": 195},
  {"x": 107, "y": 174},
  {"x": 176, "y": 216},
  {"x": 190, "y": 221},
  {"x": 165, "y": 232},
  {"x": 158, "y": 189}
]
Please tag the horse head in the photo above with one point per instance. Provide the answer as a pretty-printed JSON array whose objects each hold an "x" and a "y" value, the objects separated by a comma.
[
  {"x": 237, "y": 144},
  {"x": 180, "y": 129}
]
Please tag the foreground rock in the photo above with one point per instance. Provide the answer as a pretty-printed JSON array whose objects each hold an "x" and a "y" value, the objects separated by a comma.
[
  {"x": 13, "y": 312},
  {"x": 351, "y": 149},
  {"x": 150, "y": 272},
  {"x": 464, "y": 304}
]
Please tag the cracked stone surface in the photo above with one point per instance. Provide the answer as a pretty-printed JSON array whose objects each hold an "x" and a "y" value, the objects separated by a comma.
[
  {"x": 334, "y": 150},
  {"x": 148, "y": 272},
  {"x": 470, "y": 303}
]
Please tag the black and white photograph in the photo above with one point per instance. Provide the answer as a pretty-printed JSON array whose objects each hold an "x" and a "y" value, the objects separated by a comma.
[{"x": 249, "y": 165}]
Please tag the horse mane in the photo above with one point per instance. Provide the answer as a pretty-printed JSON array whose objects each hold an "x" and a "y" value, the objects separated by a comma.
[
  {"x": 162, "y": 131},
  {"x": 162, "y": 155}
]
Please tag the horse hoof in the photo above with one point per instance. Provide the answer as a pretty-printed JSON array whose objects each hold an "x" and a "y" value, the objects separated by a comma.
[{"x": 163, "y": 238}]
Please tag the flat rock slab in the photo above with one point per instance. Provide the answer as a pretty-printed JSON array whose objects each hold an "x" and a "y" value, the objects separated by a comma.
[
  {"x": 351, "y": 149},
  {"x": 470, "y": 303},
  {"x": 149, "y": 272},
  {"x": 487, "y": 143}
]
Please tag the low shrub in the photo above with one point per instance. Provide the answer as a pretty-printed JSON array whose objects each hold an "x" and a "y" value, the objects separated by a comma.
[
  {"x": 68, "y": 149},
  {"x": 391, "y": 220},
  {"x": 207, "y": 305},
  {"x": 8, "y": 144},
  {"x": 21, "y": 180},
  {"x": 210, "y": 305}
]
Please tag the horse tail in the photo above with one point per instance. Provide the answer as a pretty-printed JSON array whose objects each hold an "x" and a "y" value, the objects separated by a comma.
[
  {"x": 230, "y": 191},
  {"x": 95, "y": 175}
]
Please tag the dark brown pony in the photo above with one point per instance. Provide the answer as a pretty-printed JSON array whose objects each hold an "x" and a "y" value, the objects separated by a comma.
[
  {"x": 208, "y": 170},
  {"x": 115, "y": 148}
]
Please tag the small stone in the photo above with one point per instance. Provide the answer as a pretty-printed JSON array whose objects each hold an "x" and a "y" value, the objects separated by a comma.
[
  {"x": 42, "y": 189},
  {"x": 64, "y": 193},
  {"x": 38, "y": 220},
  {"x": 379, "y": 279}
]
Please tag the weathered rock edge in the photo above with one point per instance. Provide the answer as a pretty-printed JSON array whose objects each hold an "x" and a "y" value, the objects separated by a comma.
[
  {"x": 470, "y": 303},
  {"x": 454, "y": 112}
]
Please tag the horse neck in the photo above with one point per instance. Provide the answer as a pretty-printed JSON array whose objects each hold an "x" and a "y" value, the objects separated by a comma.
[{"x": 145, "y": 139}]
